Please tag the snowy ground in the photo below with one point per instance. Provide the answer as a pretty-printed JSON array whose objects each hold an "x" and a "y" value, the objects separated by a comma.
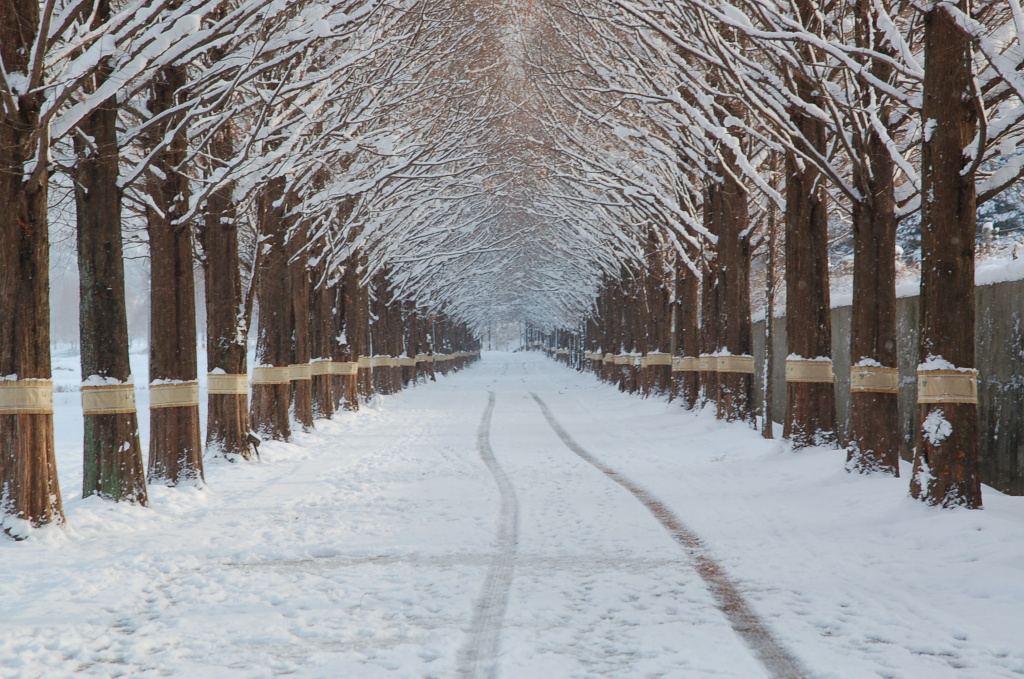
[{"x": 384, "y": 545}]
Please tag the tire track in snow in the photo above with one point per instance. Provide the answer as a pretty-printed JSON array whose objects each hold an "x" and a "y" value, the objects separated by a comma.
[
  {"x": 775, "y": 658},
  {"x": 477, "y": 659}
]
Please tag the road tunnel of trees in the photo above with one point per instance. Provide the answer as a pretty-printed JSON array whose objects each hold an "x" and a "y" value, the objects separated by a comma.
[{"x": 364, "y": 186}]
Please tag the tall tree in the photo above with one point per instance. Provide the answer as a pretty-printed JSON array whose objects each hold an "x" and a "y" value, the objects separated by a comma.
[
  {"x": 29, "y": 491},
  {"x": 874, "y": 381},
  {"x": 687, "y": 330},
  {"x": 271, "y": 383},
  {"x": 946, "y": 462},
  {"x": 112, "y": 466},
  {"x": 810, "y": 391},
  {"x": 301, "y": 340},
  {"x": 175, "y": 446},
  {"x": 735, "y": 344},
  {"x": 227, "y": 334}
]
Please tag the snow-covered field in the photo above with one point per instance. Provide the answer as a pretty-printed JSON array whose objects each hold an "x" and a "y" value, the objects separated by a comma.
[{"x": 384, "y": 545}]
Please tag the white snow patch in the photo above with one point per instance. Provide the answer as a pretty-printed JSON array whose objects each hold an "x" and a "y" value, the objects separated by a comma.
[
  {"x": 940, "y": 363},
  {"x": 936, "y": 427},
  {"x": 923, "y": 477},
  {"x": 100, "y": 381}
]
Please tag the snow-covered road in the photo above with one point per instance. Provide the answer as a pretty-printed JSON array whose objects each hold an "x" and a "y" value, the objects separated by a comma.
[{"x": 449, "y": 531}]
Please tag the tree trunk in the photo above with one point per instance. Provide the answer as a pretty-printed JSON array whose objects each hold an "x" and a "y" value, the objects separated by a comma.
[
  {"x": 29, "y": 492},
  {"x": 227, "y": 427},
  {"x": 302, "y": 382},
  {"x": 112, "y": 454},
  {"x": 736, "y": 361},
  {"x": 322, "y": 322},
  {"x": 271, "y": 380},
  {"x": 767, "y": 421},
  {"x": 810, "y": 392},
  {"x": 874, "y": 382},
  {"x": 396, "y": 345},
  {"x": 362, "y": 346},
  {"x": 346, "y": 385},
  {"x": 946, "y": 465},
  {"x": 636, "y": 329},
  {"x": 709, "y": 305},
  {"x": 411, "y": 343},
  {"x": 658, "y": 377},
  {"x": 426, "y": 368},
  {"x": 688, "y": 336},
  {"x": 175, "y": 449}
]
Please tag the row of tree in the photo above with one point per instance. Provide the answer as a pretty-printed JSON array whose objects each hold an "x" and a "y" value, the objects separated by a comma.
[
  {"x": 238, "y": 138},
  {"x": 570, "y": 164},
  {"x": 736, "y": 114}
]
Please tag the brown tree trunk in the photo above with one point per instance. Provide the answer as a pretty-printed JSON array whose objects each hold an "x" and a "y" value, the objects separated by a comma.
[
  {"x": 322, "y": 322},
  {"x": 357, "y": 327},
  {"x": 634, "y": 339},
  {"x": 873, "y": 444},
  {"x": 592, "y": 338},
  {"x": 612, "y": 324},
  {"x": 709, "y": 304},
  {"x": 425, "y": 368},
  {"x": 356, "y": 331},
  {"x": 411, "y": 343},
  {"x": 227, "y": 426},
  {"x": 946, "y": 465},
  {"x": 734, "y": 341},
  {"x": 363, "y": 346},
  {"x": 688, "y": 336},
  {"x": 112, "y": 454},
  {"x": 347, "y": 384},
  {"x": 338, "y": 343},
  {"x": 29, "y": 492},
  {"x": 623, "y": 299},
  {"x": 768, "y": 381},
  {"x": 810, "y": 391},
  {"x": 383, "y": 332},
  {"x": 271, "y": 380},
  {"x": 301, "y": 376},
  {"x": 658, "y": 373},
  {"x": 175, "y": 448},
  {"x": 396, "y": 344},
  {"x": 874, "y": 383}
]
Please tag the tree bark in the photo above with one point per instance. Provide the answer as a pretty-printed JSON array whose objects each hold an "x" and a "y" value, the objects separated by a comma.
[
  {"x": 688, "y": 336},
  {"x": 112, "y": 454},
  {"x": 634, "y": 339},
  {"x": 810, "y": 405},
  {"x": 347, "y": 386},
  {"x": 271, "y": 389},
  {"x": 175, "y": 448},
  {"x": 709, "y": 304},
  {"x": 658, "y": 378},
  {"x": 29, "y": 492},
  {"x": 735, "y": 389},
  {"x": 323, "y": 320},
  {"x": 874, "y": 413},
  {"x": 302, "y": 383},
  {"x": 946, "y": 465},
  {"x": 227, "y": 426},
  {"x": 767, "y": 421},
  {"x": 411, "y": 342},
  {"x": 362, "y": 346}
]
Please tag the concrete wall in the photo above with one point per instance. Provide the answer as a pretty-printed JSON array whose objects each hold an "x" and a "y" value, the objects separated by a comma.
[{"x": 1000, "y": 360}]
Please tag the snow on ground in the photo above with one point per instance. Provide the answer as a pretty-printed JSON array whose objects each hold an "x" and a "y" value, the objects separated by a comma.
[{"x": 361, "y": 550}]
